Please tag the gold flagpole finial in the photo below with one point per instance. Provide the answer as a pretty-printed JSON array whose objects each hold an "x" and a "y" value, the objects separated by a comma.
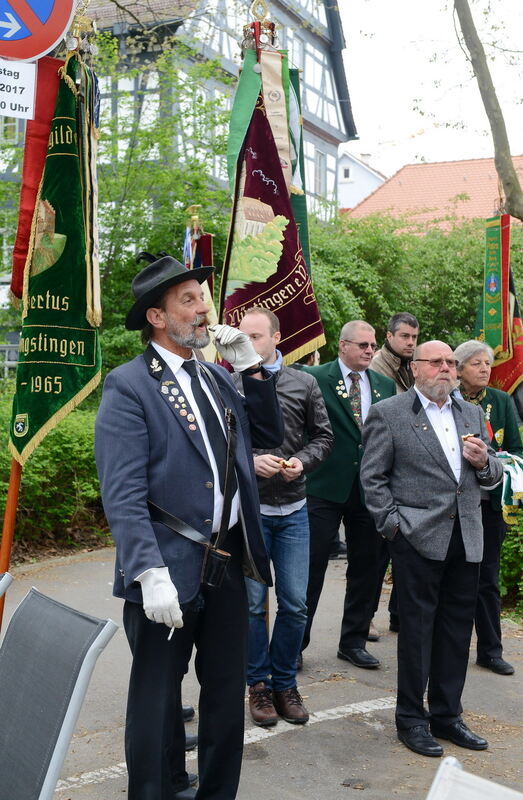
[
  {"x": 195, "y": 219},
  {"x": 259, "y": 10}
]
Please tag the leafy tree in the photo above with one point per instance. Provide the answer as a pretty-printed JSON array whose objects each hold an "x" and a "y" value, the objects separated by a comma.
[
  {"x": 502, "y": 158},
  {"x": 373, "y": 267},
  {"x": 158, "y": 153}
]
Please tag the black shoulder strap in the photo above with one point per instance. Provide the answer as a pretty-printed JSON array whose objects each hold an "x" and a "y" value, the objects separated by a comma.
[{"x": 230, "y": 421}]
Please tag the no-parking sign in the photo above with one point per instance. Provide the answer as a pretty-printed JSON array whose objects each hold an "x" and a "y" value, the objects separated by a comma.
[{"x": 31, "y": 28}]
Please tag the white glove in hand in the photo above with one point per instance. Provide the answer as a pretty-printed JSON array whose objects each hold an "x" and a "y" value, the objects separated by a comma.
[
  {"x": 160, "y": 598},
  {"x": 235, "y": 347}
]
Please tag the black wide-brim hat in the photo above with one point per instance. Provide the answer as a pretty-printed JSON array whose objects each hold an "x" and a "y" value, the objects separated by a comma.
[{"x": 154, "y": 279}]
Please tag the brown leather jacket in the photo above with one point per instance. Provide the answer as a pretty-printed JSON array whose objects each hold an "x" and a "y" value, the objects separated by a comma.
[{"x": 389, "y": 364}]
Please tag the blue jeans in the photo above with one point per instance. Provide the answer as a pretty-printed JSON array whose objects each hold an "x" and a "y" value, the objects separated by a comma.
[{"x": 287, "y": 543}]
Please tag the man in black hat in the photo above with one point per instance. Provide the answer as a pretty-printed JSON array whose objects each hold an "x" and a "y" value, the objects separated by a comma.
[{"x": 164, "y": 444}]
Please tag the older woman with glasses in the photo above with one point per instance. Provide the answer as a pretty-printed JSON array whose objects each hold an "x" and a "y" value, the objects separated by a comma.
[{"x": 474, "y": 366}]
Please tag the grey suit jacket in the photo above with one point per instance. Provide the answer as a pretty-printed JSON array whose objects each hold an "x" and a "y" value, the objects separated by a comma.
[{"x": 408, "y": 481}]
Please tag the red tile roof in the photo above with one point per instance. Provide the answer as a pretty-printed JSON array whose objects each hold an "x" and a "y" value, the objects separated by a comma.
[{"x": 426, "y": 192}]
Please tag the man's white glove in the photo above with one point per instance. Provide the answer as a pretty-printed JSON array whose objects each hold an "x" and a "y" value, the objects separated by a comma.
[
  {"x": 235, "y": 347},
  {"x": 160, "y": 598}
]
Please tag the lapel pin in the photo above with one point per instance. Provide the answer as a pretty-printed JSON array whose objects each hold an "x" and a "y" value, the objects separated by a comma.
[
  {"x": 193, "y": 428},
  {"x": 155, "y": 365}
]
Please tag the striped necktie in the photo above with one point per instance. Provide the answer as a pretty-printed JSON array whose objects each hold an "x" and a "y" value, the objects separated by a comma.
[{"x": 355, "y": 397}]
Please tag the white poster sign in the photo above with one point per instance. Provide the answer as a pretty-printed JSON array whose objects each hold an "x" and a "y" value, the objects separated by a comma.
[{"x": 17, "y": 88}]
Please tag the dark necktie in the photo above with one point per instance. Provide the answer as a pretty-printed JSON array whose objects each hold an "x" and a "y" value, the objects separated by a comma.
[
  {"x": 355, "y": 397},
  {"x": 214, "y": 430}
]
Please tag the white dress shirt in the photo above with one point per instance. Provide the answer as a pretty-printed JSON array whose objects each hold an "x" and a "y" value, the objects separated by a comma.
[
  {"x": 442, "y": 421},
  {"x": 364, "y": 387},
  {"x": 175, "y": 364}
]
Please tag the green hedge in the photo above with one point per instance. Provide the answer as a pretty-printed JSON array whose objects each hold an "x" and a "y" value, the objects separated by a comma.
[
  {"x": 511, "y": 573},
  {"x": 59, "y": 495}
]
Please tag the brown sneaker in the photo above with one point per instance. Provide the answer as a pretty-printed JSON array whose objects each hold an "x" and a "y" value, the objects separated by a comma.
[
  {"x": 260, "y": 705},
  {"x": 289, "y": 706}
]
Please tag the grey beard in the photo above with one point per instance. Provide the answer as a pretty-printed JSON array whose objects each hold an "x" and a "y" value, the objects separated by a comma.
[
  {"x": 437, "y": 393},
  {"x": 193, "y": 340}
]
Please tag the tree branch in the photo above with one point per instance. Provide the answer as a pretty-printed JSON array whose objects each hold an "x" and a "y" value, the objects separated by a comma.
[{"x": 502, "y": 157}]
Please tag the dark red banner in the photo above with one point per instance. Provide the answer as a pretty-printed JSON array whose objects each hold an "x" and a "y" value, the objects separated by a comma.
[{"x": 264, "y": 263}]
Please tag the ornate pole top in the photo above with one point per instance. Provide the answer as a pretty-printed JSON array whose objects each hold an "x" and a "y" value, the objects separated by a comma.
[{"x": 259, "y": 10}]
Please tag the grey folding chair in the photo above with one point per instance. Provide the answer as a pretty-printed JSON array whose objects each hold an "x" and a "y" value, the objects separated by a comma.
[
  {"x": 46, "y": 661},
  {"x": 5, "y": 581},
  {"x": 451, "y": 782}
]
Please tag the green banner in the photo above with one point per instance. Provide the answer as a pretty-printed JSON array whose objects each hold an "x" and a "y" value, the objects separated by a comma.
[
  {"x": 493, "y": 317},
  {"x": 247, "y": 92},
  {"x": 59, "y": 355},
  {"x": 299, "y": 199}
]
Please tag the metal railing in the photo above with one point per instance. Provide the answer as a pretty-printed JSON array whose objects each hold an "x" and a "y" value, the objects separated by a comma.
[{"x": 8, "y": 358}]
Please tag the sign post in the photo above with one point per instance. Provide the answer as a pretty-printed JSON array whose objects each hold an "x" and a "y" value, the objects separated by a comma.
[{"x": 31, "y": 28}]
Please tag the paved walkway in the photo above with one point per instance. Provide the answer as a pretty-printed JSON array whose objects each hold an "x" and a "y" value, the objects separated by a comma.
[{"x": 348, "y": 749}]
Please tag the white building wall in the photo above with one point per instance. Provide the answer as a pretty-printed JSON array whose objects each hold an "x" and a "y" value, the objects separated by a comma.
[{"x": 355, "y": 181}]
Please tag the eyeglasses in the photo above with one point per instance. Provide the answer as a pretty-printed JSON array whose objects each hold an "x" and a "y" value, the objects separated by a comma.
[
  {"x": 363, "y": 345},
  {"x": 437, "y": 363}
]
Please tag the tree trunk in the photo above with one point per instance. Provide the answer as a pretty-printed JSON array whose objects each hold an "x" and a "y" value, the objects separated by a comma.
[{"x": 502, "y": 158}]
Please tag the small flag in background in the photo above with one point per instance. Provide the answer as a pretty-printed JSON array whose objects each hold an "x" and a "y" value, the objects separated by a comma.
[
  {"x": 198, "y": 252},
  {"x": 59, "y": 354},
  {"x": 499, "y": 321}
]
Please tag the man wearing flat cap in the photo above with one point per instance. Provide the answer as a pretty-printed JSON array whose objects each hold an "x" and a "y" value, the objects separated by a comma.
[{"x": 174, "y": 443}]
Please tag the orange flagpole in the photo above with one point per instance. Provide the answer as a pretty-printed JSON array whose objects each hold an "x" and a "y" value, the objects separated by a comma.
[{"x": 8, "y": 530}]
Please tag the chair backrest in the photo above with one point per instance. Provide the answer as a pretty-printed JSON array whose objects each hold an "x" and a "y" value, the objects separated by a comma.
[
  {"x": 5, "y": 581},
  {"x": 46, "y": 661},
  {"x": 451, "y": 782}
]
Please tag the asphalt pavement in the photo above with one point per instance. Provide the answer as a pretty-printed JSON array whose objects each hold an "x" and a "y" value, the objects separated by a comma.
[{"x": 347, "y": 750}]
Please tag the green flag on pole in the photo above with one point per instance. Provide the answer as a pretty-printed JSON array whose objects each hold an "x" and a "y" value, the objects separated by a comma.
[{"x": 59, "y": 355}]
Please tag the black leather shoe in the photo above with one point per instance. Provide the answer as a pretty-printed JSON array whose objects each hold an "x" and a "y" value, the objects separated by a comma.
[
  {"x": 185, "y": 794},
  {"x": 359, "y": 657},
  {"x": 187, "y": 713},
  {"x": 191, "y": 740},
  {"x": 497, "y": 665},
  {"x": 419, "y": 740},
  {"x": 458, "y": 733}
]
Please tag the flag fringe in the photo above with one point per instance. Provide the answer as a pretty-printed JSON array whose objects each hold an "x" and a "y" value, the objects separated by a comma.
[
  {"x": 30, "y": 249},
  {"x": 62, "y": 71},
  {"x": 304, "y": 350},
  {"x": 54, "y": 420}
]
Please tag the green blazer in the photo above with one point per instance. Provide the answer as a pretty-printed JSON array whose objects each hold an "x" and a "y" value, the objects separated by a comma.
[
  {"x": 499, "y": 412},
  {"x": 334, "y": 478}
]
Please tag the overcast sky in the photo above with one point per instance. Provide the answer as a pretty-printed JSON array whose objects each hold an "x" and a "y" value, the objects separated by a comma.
[{"x": 412, "y": 91}]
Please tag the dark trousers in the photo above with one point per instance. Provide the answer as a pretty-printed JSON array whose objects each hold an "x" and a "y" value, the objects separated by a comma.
[
  {"x": 216, "y": 623},
  {"x": 393, "y": 603},
  {"x": 488, "y": 608},
  {"x": 364, "y": 569},
  {"x": 436, "y": 604}
]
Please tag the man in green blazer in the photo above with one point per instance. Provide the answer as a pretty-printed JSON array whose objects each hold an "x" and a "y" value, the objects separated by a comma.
[{"x": 334, "y": 493}]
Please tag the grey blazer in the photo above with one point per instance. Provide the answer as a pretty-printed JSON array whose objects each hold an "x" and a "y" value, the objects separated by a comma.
[{"x": 408, "y": 481}]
